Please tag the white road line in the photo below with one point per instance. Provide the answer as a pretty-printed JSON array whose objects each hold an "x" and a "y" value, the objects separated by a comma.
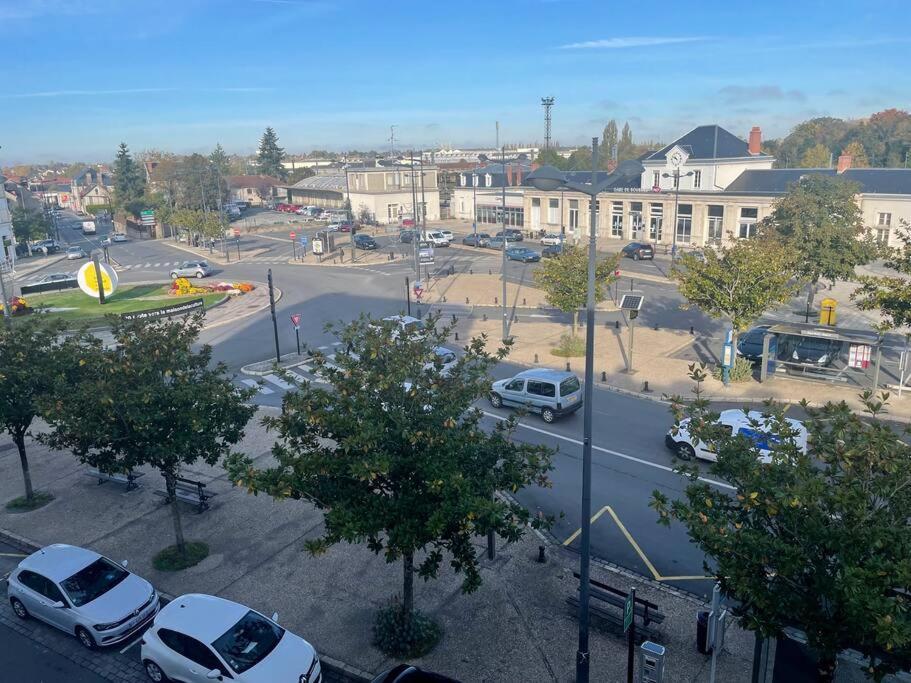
[
  {"x": 279, "y": 382},
  {"x": 297, "y": 377},
  {"x": 253, "y": 384},
  {"x": 536, "y": 315},
  {"x": 157, "y": 265},
  {"x": 336, "y": 343},
  {"x": 130, "y": 645},
  {"x": 322, "y": 348},
  {"x": 616, "y": 454},
  {"x": 148, "y": 265}
]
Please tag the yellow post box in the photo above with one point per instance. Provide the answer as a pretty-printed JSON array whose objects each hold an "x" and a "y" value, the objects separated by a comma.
[{"x": 827, "y": 314}]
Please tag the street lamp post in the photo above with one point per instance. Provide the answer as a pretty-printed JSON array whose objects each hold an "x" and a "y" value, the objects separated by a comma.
[
  {"x": 548, "y": 179},
  {"x": 676, "y": 175},
  {"x": 474, "y": 207},
  {"x": 503, "y": 209}
]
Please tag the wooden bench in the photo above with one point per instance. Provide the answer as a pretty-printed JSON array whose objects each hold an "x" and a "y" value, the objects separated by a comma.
[
  {"x": 128, "y": 478},
  {"x": 609, "y": 603},
  {"x": 189, "y": 491}
]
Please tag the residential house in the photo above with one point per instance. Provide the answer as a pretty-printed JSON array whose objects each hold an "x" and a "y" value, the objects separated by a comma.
[{"x": 253, "y": 189}]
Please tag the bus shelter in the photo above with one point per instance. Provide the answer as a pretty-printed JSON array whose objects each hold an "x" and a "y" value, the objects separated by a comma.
[{"x": 813, "y": 352}]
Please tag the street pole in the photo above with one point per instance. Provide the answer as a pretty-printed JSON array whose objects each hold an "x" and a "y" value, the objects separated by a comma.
[
  {"x": 416, "y": 234},
  {"x": 582, "y": 654},
  {"x": 631, "y": 640},
  {"x": 503, "y": 209},
  {"x": 676, "y": 202},
  {"x": 348, "y": 215},
  {"x": 297, "y": 338},
  {"x": 423, "y": 197},
  {"x": 6, "y": 312},
  {"x": 408, "y": 294},
  {"x": 474, "y": 207},
  {"x": 278, "y": 353},
  {"x": 632, "y": 328},
  {"x": 98, "y": 278}
]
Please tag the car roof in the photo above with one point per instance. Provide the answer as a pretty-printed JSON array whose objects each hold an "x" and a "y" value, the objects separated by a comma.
[
  {"x": 204, "y": 617},
  {"x": 59, "y": 561},
  {"x": 736, "y": 417},
  {"x": 545, "y": 373}
]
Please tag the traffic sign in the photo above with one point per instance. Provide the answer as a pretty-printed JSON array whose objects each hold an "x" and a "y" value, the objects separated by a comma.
[
  {"x": 147, "y": 217},
  {"x": 296, "y": 320},
  {"x": 628, "y": 613},
  {"x": 304, "y": 240},
  {"x": 418, "y": 290},
  {"x": 293, "y": 235}
]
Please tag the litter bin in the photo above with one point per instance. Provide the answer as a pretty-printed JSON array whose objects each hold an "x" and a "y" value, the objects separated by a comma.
[{"x": 702, "y": 632}]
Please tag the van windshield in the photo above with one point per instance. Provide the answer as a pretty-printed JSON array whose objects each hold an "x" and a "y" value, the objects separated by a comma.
[{"x": 569, "y": 385}]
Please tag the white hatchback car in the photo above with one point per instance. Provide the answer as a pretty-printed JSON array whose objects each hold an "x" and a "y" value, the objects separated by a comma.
[
  {"x": 201, "y": 638},
  {"x": 551, "y": 239},
  {"x": 686, "y": 447},
  {"x": 448, "y": 235},
  {"x": 82, "y": 593}
]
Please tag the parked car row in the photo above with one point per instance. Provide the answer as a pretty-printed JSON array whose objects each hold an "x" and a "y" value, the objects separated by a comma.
[
  {"x": 805, "y": 350},
  {"x": 192, "y": 638}
]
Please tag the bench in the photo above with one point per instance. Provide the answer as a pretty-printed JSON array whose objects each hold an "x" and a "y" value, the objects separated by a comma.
[
  {"x": 189, "y": 491},
  {"x": 129, "y": 478},
  {"x": 608, "y": 603}
]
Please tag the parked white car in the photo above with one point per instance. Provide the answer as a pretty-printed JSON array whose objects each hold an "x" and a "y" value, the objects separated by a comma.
[
  {"x": 448, "y": 235},
  {"x": 82, "y": 593},
  {"x": 550, "y": 239},
  {"x": 436, "y": 238},
  {"x": 200, "y": 638},
  {"x": 686, "y": 446}
]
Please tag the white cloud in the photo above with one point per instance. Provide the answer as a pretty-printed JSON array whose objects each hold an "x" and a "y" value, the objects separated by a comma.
[{"x": 627, "y": 42}]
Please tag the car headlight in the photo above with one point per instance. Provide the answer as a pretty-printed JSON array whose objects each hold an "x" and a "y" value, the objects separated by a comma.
[
  {"x": 823, "y": 358},
  {"x": 106, "y": 627},
  {"x": 795, "y": 356}
]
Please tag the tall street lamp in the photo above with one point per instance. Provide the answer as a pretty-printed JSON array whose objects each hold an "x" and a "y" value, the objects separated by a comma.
[
  {"x": 485, "y": 159},
  {"x": 676, "y": 175},
  {"x": 548, "y": 179},
  {"x": 474, "y": 207}
]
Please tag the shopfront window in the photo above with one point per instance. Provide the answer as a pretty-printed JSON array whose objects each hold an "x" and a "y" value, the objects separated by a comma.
[
  {"x": 715, "y": 225},
  {"x": 684, "y": 223},
  {"x": 616, "y": 219},
  {"x": 656, "y": 221},
  {"x": 636, "y": 222},
  {"x": 746, "y": 227}
]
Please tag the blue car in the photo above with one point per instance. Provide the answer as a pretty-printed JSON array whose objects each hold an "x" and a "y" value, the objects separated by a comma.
[{"x": 522, "y": 254}]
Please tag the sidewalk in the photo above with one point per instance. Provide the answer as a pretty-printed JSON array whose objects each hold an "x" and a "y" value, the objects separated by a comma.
[{"x": 517, "y": 627}]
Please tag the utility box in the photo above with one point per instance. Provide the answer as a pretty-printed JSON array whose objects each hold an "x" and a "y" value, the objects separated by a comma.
[
  {"x": 651, "y": 662},
  {"x": 827, "y": 315}
]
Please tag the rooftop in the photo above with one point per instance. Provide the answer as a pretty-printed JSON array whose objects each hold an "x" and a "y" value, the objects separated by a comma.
[
  {"x": 708, "y": 142},
  {"x": 775, "y": 181}
]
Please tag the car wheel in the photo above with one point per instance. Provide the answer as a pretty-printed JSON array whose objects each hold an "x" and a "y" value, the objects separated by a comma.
[
  {"x": 685, "y": 451},
  {"x": 200, "y": 274},
  {"x": 19, "y": 608},
  {"x": 496, "y": 400},
  {"x": 548, "y": 415},
  {"x": 173, "y": 276},
  {"x": 85, "y": 638},
  {"x": 154, "y": 672},
  {"x": 635, "y": 257}
]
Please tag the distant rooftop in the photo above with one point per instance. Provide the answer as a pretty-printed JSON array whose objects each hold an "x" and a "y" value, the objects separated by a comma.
[
  {"x": 776, "y": 181},
  {"x": 708, "y": 142}
]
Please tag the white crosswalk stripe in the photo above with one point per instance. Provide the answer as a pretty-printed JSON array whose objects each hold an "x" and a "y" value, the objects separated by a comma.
[
  {"x": 279, "y": 382},
  {"x": 253, "y": 384}
]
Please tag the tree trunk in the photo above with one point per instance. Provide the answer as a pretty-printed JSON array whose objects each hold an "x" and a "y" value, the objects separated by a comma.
[
  {"x": 825, "y": 668},
  {"x": 171, "y": 486},
  {"x": 811, "y": 294},
  {"x": 19, "y": 439},
  {"x": 408, "y": 585},
  {"x": 572, "y": 322}
]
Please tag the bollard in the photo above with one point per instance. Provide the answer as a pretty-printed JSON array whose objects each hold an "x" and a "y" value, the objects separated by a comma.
[
  {"x": 656, "y": 327},
  {"x": 691, "y": 330},
  {"x": 606, "y": 324},
  {"x": 466, "y": 300},
  {"x": 485, "y": 317},
  {"x": 523, "y": 301},
  {"x": 536, "y": 358},
  {"x": 454, "y": 319},
  {"x": 616, "y": 324},
  {"x": 515, "y": 318},
  {"x": 489, "y": 272},
  {"x": 496, "y": 301},
  {"x": 471, "y": 271},
  {"x": 457, "y": 336},
  {"x": 451, "y": 269},
  {"x": 645, "y": 389},
  {"x": 567, "y": 367},
  {"x": 444, "y": 301},
  {"x": 603, "y": 376},
  {"x": 541, "y": 554}
]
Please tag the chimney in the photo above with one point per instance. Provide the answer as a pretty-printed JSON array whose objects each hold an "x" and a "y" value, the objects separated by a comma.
[
  {"x": 844, "y": 163},
  {"x": 508, "y": 175},
  {"x": 755, "y": 140},
  {"x": 518, "y": 176}
]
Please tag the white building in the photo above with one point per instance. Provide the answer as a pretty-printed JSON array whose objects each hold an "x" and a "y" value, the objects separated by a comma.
[{"x": 8, "y": 250}]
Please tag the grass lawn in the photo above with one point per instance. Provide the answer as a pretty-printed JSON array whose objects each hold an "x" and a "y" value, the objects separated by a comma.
[{"x": 126, "y": 299}]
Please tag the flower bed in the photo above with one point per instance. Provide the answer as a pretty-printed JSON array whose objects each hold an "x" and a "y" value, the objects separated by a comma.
[
  {"x": 17, "y": 306},
  {"x": 184, "y": 287}
]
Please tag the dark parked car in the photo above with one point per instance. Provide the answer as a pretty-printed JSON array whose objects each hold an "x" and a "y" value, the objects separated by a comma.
[
  {"x": 345, "y": 227},
  {"x": 552, "y": 250},
  {"x": 638, "y": 250},
  {"x": 522, "y": 254},
  {"x": 362, "y": 241},
  {"x": 406, "y": 673},
  {"x": 407, "y": 236},
  {"x": 749, "y": 344},
  {"x": 511, "y": 235},
  {"x": 808, "y": 350},
  {"x": 482, "y": 239}
]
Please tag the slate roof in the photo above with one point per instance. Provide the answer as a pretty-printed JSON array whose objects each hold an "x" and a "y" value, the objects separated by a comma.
[
  {"x": 334, "y": 182},
  {"x": 708, "y": 142},
  {"x": 775, "y": 181}
]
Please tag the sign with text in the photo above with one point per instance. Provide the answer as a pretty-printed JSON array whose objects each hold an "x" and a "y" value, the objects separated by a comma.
[
  {"x": 147, "y": 217},
  {"x": 317, "y": 247},
  {"x": 166, "y": 312}
]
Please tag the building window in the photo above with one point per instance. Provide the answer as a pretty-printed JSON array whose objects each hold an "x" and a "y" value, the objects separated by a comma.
[
  {"x": 685, "y": 223},
  {"x": 715, "y": 225},
  {"x": 461, "y": 206},
  {"x": 655, "y": 222},
  {"x": 462, "y": 179},
  {"x": 656, "y": 178},
  {"x": 747, "y": 226},
  {"x": 553, "y": 211},
  {"x": 392, "y": 212},
  {"x": 488, "y": 180},
  {"x": 616, "y": 219},
  {"x": 884, "y": 219},
  {"x": 474, "y": 180},
  {"x": 697, "y": 179},
  {"x": 573, "y": 214},
  {"x": 882, "y": 235},
  {"x": 636, "y": 222}
]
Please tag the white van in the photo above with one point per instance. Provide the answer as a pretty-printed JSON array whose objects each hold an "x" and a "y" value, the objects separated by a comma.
[
  {"x": 685, "y": 446},
  {"x": 435, "y": 237}
]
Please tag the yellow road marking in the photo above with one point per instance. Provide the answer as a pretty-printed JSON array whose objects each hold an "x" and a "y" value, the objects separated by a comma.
[
  {"x": 642, "y": 556},
  {"x": 594, "y": 519}
]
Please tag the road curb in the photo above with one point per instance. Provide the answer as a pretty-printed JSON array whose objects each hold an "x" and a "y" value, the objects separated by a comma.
[{"x": 18, "y": 542}]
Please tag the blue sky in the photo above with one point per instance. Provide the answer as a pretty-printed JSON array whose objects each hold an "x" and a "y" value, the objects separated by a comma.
[{"x": 82, "y": 75}]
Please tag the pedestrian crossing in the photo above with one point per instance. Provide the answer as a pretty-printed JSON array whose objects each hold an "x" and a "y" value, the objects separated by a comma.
[{"x": 273, "y": 383}]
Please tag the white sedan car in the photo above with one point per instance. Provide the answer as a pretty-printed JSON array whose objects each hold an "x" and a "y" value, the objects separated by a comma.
[
  {"x": 201, "y": 638},
  {"x": 448, "y": 235},
  {"x": 550, "y": 239},
  {"x": 753, "y": 425}
]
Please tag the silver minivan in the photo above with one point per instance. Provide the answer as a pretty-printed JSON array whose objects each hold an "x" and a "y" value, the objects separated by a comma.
[{"x": 551, "y": 393}]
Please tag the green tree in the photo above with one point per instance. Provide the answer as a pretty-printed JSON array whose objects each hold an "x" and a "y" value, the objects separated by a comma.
[
  {"x": 816, "y": 540},
  {"x": 817, "y": 156},
  {"x": 891, "y": 294},
  {"x": 29, "y": 225},
  {"x": 270, "y": 156},
  {"x": 855, "y": 149},
  {"x": 580, "y": 160},
  {"x": 220, "y": 160},
  {"x": 564, "y": 279},
  {"x": 550, "y": 157},
  {"x": 31, "y": 363},
  {"x": 821, "y": 222},
  {"x": 395, "y": 455},
  {"x": 826, "y": 131},
  {"x": 737, "y": 283},
  {"x": 129, "y": 182},
  {"x": 626, "y": 148},
  {"x": 150, "y": 399},
  {"x": 609, "y": 139}
]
